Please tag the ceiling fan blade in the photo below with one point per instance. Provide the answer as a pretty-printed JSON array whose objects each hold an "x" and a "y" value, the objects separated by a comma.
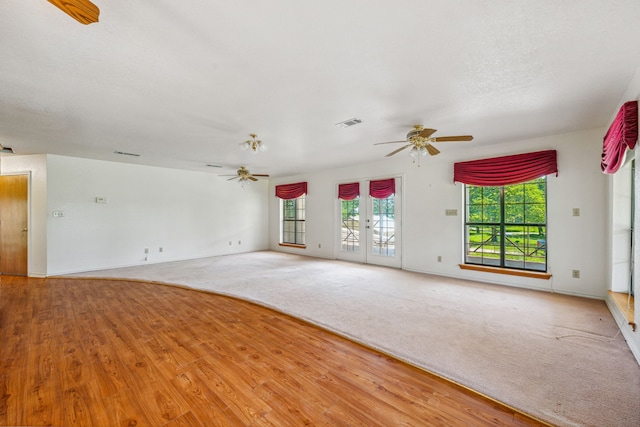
[
  {"x": 258, "y": 174},
  {"x": 390, "y": 142},
  {"x": 426, "y": 133},
  {"x": 235, "y": 177},
  {"x": 453, "y": 138},
  {"x": 398, "y": 150},
  {"x": 432, "y": 150},
  {"x": 252, "y": 178},
  {"x": 82, "y": 11}
]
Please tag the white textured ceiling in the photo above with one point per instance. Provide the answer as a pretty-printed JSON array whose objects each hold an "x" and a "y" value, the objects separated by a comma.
[{"x": 183, "y": 83}]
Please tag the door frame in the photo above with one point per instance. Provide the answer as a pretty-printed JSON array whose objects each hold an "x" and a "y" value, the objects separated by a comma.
[
  {"x": 363, "y": 256},
  {"x": 28, "y": 175}
]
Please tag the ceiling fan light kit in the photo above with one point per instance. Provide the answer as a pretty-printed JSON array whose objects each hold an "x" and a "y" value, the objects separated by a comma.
[{"x": 253, "y": 144}]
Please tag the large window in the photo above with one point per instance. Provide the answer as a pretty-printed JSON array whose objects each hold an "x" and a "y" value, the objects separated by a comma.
[
  {"x": 293, "y": 226},
  {"x": 507, "y": 226}
]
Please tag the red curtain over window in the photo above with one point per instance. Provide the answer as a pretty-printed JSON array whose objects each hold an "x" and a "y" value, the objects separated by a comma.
[
  {"x": 383, "y": 188},
  {"x": 291, "y": 191},
  {"x": 622, "y": 134},
  {"x": 499, "y": 171},
  {"x": 349, "y": 191}
]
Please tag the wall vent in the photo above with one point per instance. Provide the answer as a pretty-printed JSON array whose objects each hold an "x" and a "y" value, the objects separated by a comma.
[
  {"x": 348, "y": 123},
  {"x": 123, "y": 153},
  {"x": 451, "y": 212}
]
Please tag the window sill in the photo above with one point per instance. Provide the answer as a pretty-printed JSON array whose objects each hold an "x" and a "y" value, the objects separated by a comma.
[
  {"x": 508, "y": 271},
  {"x": 626, "y": 306},
  {"x": 291, "y": 245}
]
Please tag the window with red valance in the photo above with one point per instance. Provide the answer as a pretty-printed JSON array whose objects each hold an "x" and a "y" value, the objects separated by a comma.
[
  {"x": 383, "y": 188},
  {"x": 506, "y": 170},
  {"x": 291, "y": 191},
  {"x": 349, "y": 191},
  {"x": 622, "y": 135}
]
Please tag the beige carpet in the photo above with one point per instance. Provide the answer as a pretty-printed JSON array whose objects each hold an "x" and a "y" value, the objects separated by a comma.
[{"x": 559, "y": 358}]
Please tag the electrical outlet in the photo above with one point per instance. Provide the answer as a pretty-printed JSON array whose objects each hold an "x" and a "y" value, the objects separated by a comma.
[
  {"x": 160, "y": 249},
  {"x": 146, "y": 250},
  {"x": 439, "y": 258},
  {"x": 575, "y": 274},
  {"x": 576, "y": 211},
  {"x": 319, "y": 246},
  {"x": 239, "y": 242},
  {"x": 230, "y": 243}
]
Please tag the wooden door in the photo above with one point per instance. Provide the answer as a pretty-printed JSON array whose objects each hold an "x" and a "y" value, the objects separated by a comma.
[{"x": 14, "y": 224}]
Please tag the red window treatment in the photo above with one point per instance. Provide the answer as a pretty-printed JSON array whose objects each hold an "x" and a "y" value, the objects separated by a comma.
[
  {"x": 349, "y": 191},
  {"x": 499, "y": 171},
  {"x": 622, "y": 134},
  {"x": 383, "y": 188},
  {"x": 291, "y": 191}
]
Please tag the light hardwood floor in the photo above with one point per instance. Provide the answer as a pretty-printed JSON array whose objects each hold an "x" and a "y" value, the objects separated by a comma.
[{"x": 77, "y": 352}]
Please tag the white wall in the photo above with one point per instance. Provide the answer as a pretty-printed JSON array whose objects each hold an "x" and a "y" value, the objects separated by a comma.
[
  {"x": 574, "y": 243},
  {"x": 36, "y": 167},
  {"x": 188, "y": 214}
]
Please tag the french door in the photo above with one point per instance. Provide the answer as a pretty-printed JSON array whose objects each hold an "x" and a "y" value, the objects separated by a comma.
[{"x": 370, "y": 227}]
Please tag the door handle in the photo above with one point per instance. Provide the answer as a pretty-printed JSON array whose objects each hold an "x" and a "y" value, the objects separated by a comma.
[{"x": 24, "y": 229}]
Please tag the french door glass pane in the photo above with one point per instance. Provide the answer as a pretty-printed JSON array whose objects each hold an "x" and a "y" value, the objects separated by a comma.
[
  {"x": 350, "y": 234},
  {"x": 383, "y": 227}
]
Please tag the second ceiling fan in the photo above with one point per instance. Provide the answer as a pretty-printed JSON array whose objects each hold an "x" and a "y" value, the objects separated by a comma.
[
  {"x": 243, "y": 175},
  {"x": 420, "y": 140}
]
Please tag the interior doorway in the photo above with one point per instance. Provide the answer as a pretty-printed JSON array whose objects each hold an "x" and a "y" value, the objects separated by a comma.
[{"x": 14, "y": 221}]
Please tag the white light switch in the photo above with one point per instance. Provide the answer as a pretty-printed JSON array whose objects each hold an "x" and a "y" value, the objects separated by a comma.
[
  {"x": 576, "y": 211},
  {"x": 102, "y": 200}
]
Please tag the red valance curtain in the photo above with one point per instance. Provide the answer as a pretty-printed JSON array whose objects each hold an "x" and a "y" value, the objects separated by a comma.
[
  {"x": 622, "y": 134},
  {"x": 291, "y": 191},
  {"x": 499, "y": 171},
  {"x": 349, "y": 191},
  {"x": 382, "y": 188}
]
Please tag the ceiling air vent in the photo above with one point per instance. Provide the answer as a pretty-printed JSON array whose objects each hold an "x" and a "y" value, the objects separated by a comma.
[
  {"x": 348, "y": 123},
  {"x": 122, "y": 153}
]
